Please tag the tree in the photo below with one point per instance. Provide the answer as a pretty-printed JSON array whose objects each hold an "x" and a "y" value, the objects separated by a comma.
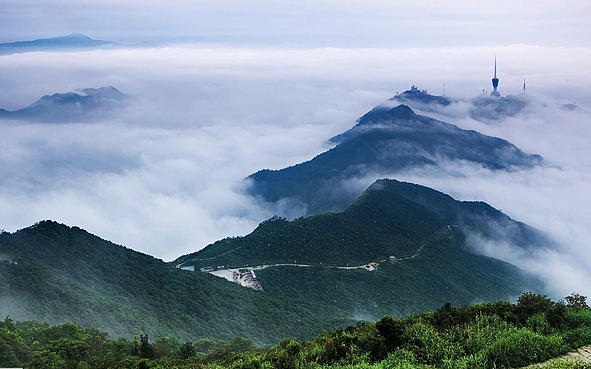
[
  {"x": 145, "y": 349},
  {"x": 240, "y": 344},
  {"x": 70, "y": 350},
  {"x": 186, "y": 351},
  {"x": 203, "y": 345},
  {"x": 446, "y": 316},
  {"x": 8, "y": 323},
  {"x": 164, "y": 346},
  {"x": 576, "y": 301},
  {"x": 119, "y": 349},
  {"x": 46, "y": 360},
  {"x": 7, "y": 356},
  {"x": 392, "y": 329},
  {"x": 530, "y": 304}
]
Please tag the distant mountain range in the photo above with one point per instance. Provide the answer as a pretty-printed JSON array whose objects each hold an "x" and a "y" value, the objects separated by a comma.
[
  {"x": 384, "y": 141},
  {"x": 69, "y": 42},
  {"x": 85, "y": 104}
]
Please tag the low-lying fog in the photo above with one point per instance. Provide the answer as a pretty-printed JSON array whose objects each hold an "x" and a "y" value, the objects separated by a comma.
[{"x": 163, "y": 176}]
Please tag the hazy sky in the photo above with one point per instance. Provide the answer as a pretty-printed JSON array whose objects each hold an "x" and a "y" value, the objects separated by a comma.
[
  {"x": 244, "y": 87},
  {"x": 344, "y": 23}
]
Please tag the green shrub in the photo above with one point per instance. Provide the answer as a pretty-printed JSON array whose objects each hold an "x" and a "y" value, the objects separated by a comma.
[
  {"x": 429, "y": 346},
  {"x": 577, "y": 337},
  {"x": 556, "y": 315},
  {"x": 251, "y": 361},
  {"x": 483, "y": 332},
  {"x": 530, "y": 304},
  {"x": 521, "y": 347},
  {"x": 466, "y": 362},
  {"x": 539, "y": 324},
  {"x": 579, "y": 318}
]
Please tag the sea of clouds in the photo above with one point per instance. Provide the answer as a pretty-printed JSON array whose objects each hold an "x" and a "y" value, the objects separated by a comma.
[{"x": 164, "y": 175}]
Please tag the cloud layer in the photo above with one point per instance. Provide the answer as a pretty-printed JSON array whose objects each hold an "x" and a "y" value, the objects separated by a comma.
[{"x": 164, "y": 176}]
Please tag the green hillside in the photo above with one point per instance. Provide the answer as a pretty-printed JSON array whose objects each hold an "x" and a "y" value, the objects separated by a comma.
[
  {"x": 390, "y": 218},
  {"x": 372, "y": 229},
  {"x": 433, "y": 264},
  {"x": 470, "y": 216},
  {"x": 441, "y": 272},
  {"x": 55, "y": 273}
]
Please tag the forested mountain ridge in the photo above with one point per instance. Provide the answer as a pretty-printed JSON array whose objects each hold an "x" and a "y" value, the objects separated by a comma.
[
  {"x": 371, "y": 229},
  {"x": 384, "y": 141},
  {"x": 389, "y": 218},
  {"x": 432, "y": 263},
  {"x": 472, "y": 217},
  {"x": 55, "y": 273}
]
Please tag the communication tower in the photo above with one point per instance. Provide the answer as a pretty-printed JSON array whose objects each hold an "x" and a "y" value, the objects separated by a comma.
[{"x": 495, "y": 82}]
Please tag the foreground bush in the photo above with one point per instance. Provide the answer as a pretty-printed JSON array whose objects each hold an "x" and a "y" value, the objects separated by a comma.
[{"x": 489, "y": 335}]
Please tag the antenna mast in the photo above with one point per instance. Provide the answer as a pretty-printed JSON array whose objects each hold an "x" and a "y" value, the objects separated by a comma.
[{"x": 495, "y": 65}]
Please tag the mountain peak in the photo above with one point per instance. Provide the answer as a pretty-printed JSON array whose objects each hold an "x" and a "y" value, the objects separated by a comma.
[
  {"x": 382, "y": 113},
  {"x": 381, "y": 116},
  {"x": 68, "y": 42},
  {"x": 421, "y": 98},
  {"x": 80, "y": 105},
  {"x": 103, "y": 92},
  {"x": 77, "y": 36},
  {"x": 402, "y": 111},
  {"x": 385, "y": 140}
]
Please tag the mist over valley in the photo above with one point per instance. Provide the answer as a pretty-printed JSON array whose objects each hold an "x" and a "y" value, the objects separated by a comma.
[
  {"x": 166, "y": 161},
  {"x": 225, "y": 184}
]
